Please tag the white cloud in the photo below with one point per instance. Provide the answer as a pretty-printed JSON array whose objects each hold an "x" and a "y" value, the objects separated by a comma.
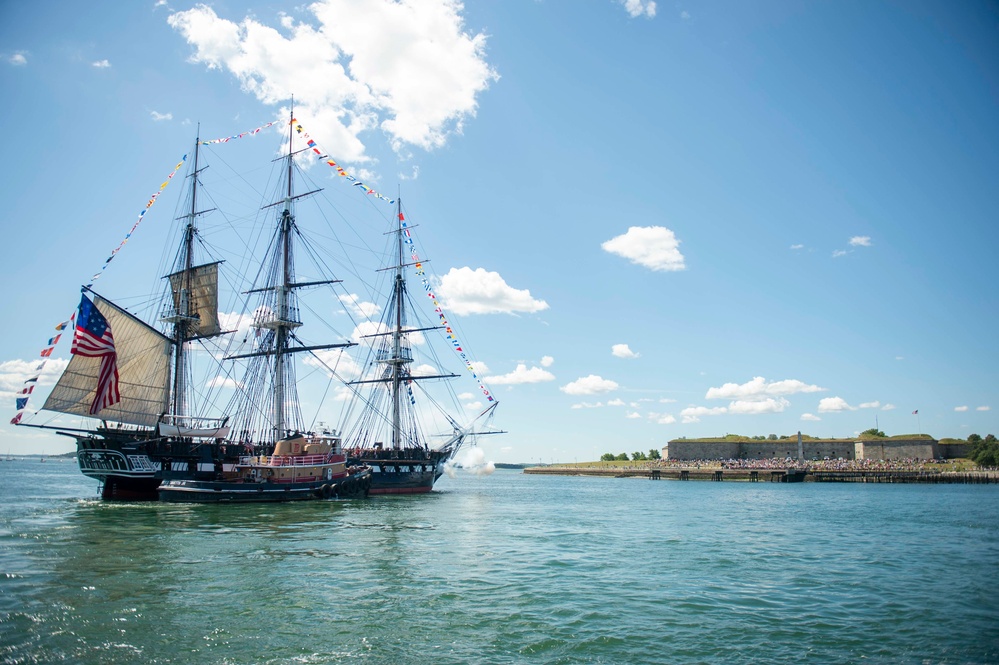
[
  {"x": 467, "y": 291},
  {"x": 241, "y": 324},
  {"x": 409, "y": 69},
  {"x": 887, "y": 407},
  {"x": 342, "y": 394},
  {"x": 616, "y": 402},
  {"x": 587, "y": 405},
  {"x": 983, "y": 408},
  {"x": 831, "y": 404},
  {"x": 522, "y": 375},
  {"x": 19, "y": 59},
  {"x": 692, "y": 414},
  {"x": 685, "y": 15},
  {"x": 423, "y": 370},
  {"x": 589, "y": 385},
  {"x": 661, "y": 418},
  {"x": 222, "y": 381},
  {"x": 359, "y": 307},
  {"x": 101, "y": 64},
  {"x": 754, "y": 407},
  {"x": 839, "y": 252},
  {"x": 654, "y": 247},
  {"x": 546, "y": 361},
  {"x": 860, "y": 241},
  {"x": 899, "y": 357},
  {"x": 466, "y": 396},
  {"x": 336, "y": 361},
  {"x": 758, "y": 387},
  {"x": 870, "y": 405},
  {"x": 960, "y": 408},
  {"x": 797, "y": 246},
  {"x": 13, "y": 373},
  {"x": 809, "y": 416},
  {"x": 636, "y": 8},
  {"x": 634, "y": 415},
  {"x": 158, "y": 117},
  {"x": 623, "y": 351},
  {"x": 365, "y": 331}
]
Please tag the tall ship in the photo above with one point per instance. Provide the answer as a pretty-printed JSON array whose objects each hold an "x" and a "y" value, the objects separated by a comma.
[
  {"x": 391, "y": 432},
  {"x": 145, "y": 420}
]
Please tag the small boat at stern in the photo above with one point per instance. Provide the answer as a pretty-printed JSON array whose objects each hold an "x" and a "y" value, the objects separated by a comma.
[{"x": 302, "y": 468}]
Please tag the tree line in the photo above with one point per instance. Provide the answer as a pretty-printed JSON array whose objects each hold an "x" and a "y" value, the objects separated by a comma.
[
  {"x": 635, "y": 457},
  {"x": 984, "y": 452}
]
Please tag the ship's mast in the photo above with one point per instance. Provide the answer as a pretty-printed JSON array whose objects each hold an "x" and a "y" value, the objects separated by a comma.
[
  {"x": 279, "y": 312},
  {"x": 182, "y": 317},
  {"x": 397, "y": 359},
  {"x": 284, "y": 321},
  {"x": 395, "y": 351}
]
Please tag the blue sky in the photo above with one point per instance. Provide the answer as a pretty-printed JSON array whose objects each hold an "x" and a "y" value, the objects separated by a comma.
[{"x": 651, "y": 220}]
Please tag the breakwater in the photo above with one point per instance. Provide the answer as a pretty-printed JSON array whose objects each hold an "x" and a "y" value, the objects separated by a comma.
[{"x": 719, "y": 474}]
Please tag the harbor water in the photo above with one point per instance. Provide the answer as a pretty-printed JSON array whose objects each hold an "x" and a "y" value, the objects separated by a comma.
[{"x": 505, "y": 568}]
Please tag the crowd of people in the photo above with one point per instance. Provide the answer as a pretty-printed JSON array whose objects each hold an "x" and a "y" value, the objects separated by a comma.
[
  {"x": 905, "y": 464},
  {"x": 840, "y": 464}
]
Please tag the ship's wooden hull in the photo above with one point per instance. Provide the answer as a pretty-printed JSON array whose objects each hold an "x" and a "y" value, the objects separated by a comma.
[
  {"x": 402, "y": 472},
  {"x": 131, "y": 469},
  {"x": 356, "y": 486}
]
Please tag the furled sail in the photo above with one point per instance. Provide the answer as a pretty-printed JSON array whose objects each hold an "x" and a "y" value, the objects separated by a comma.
[
  {"x": 197, "y": 432},
  {"x": 202, "y": 298},
  {"x": 143, "y": 371}
]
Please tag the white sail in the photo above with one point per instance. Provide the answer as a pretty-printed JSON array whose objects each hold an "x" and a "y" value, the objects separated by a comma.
[
  {"x": 203, "y": 298},
  {"x": 143, "y": 373}
]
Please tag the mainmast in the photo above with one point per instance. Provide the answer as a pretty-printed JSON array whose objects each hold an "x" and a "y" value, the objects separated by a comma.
[
  {"x": 398, "y": 361},
  {"x": 284, "y": 322},
  {"x": 279, "y": 311}
]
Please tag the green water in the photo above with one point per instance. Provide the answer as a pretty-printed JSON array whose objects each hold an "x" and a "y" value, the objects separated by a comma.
[{"x": 503, "y": 569}]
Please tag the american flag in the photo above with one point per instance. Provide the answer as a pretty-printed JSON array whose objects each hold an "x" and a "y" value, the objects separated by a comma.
[{"x": 93, "y": 339}]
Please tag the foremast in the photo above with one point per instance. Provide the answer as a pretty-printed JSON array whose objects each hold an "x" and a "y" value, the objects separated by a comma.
[
  {"x": 154, "y": 373},
  {"x": 194, "y": 311}
]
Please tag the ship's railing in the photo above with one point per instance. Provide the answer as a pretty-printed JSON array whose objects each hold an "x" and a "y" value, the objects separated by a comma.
[
  {"x": 327, "y": 439},
  {"x": 291, "y": 460},
  {"x": 193, "y": 421}
]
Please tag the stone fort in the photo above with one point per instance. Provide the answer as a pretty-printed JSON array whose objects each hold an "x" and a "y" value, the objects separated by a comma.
[{"x": 812, "y": 449}]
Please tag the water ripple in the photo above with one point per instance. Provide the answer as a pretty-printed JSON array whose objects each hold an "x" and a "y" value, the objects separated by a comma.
[{"x": 504, "y": 569}]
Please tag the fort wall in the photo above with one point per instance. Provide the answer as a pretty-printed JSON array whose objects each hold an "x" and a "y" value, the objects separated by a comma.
[{"x": 812, "y": 449}]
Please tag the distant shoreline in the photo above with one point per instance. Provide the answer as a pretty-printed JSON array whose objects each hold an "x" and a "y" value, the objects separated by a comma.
[{"x": 720, "y": 473}]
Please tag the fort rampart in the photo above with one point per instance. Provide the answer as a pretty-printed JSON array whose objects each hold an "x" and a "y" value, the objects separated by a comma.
[{"x": 811, "y": 449}]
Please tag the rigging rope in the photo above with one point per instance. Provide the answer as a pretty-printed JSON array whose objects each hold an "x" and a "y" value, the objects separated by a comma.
[{"x": 408, "y": 239}]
